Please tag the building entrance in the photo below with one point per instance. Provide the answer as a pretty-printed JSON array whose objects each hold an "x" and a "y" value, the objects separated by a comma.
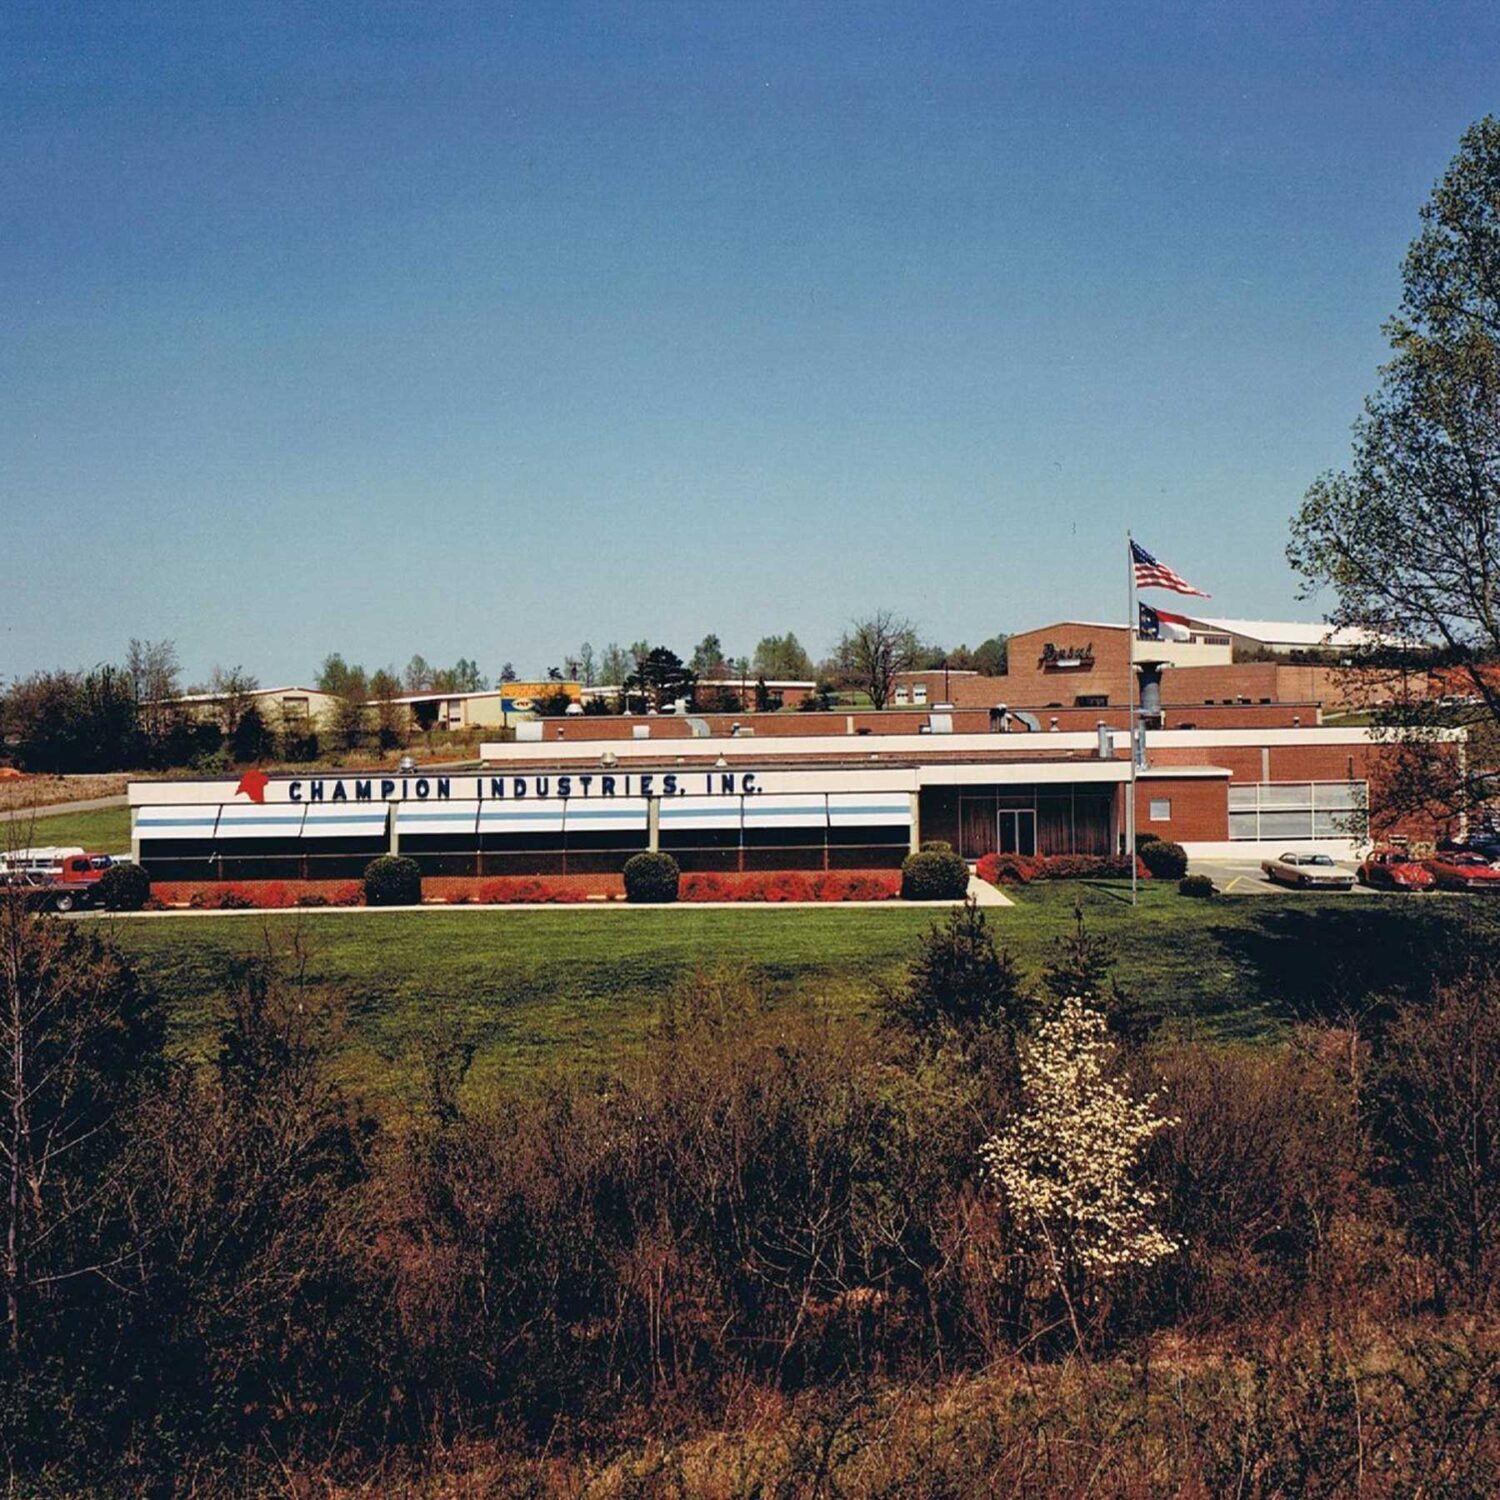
[{"x": 1016, "y": 831}]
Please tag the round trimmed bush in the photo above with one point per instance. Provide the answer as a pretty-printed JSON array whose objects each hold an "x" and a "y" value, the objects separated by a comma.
[
  {"x": 936, "y": 846},
  {"x": 124, "y": 887},
  {"x": 1165, "y": 861},
  {"x": 393, "y": 880},
  {"x": 651, "y": 877},
  {"x": 1196, "y": 885},
  {"x": 932, "y": 876}
]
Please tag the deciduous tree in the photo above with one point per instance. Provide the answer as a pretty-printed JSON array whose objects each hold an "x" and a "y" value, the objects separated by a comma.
[{"x": 1408, "y": 537}]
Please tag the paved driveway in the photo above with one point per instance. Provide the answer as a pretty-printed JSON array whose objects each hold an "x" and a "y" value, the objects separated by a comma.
[{"x": 1243, "y": 877}]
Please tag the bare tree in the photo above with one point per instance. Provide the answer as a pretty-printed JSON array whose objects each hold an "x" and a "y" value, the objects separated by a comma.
[
  {"x": 873, "y": 650},
  {"x": 153, "y": 670},
  {"x": 78, "y": 1038},
  {"x": 418, "y": 675},
  {"x": 235, "y": 688}
]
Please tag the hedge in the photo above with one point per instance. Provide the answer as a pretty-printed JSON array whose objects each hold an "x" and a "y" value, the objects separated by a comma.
[
  {"x": 393, "y": 880},
  {"x": 932, "y": 876},
  {"x": 1022, "y": 869},
  {"x": 791, "y": 885},
  {"x": 124, "y": 887},
  {"x": 1165, "y": 861},
  {"x": 651, "y": 878},
  {"x": 1196, "y": 885}
]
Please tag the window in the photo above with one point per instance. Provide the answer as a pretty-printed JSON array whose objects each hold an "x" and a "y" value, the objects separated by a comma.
[
  {"x": 1161, "y": 809},
  {"x": 1298, "y": 810},
  {"x": 919, "y": 692},
  {"x": 901, "y": 697},
  {"x": 294, "y": 708},
  {"x": 1092, "y": 700}
]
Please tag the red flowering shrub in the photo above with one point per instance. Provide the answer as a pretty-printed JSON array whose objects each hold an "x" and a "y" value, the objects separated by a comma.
[
  {"x": 262, "y": 894},
  {"x": 793, "y": 885},
  {"x": 221, "y": 898},
  {"x": 528, "y": 891},
  {"x": 857, "y": 885},
  {"x": 1022, "y": 869},
  {"x": 1009, "y": 869},
  {"x": 787, "y": 885}
]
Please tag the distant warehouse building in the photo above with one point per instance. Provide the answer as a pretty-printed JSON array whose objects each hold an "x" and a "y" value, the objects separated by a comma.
[{"x": 805, "y": 791}]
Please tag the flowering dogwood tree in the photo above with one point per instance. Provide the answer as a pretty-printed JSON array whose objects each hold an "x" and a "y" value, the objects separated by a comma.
[{"x": 1067, "y": 1163}]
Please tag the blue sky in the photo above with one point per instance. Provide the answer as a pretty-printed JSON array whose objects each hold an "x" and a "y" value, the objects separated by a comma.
[{"x": 482, "y": 330}]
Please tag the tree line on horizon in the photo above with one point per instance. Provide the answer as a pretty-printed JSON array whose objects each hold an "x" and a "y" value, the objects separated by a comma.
[{"x": 131, "y": 715}]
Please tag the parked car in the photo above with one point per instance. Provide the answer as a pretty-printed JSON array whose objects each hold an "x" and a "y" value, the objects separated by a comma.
[
  {"x": 1463, "y": 870},
  {"x": 1308, "y": 870},
  {"x": 1395, "y": 870}
]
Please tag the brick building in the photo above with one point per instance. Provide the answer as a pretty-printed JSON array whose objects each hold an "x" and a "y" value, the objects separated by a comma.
[{"x": 784, "y": 791}]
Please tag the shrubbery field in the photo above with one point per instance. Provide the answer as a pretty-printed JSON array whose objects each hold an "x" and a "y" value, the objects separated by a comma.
[{"x": 729, "y": 1203}]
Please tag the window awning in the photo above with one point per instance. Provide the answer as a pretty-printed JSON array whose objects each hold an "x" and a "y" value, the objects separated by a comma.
[
  {"x": 869, "y": 809},
  {"x": 684, "y": 814},
  {"x": 366, "y": 821},
  {"x": 520, "y": 817},
  {"x": 436, "y": 819},
  {"x": 787, "y": 810},
  {"x": 282, "y": 820},
  {"x": 183, "y": 822},
  {"x": 605, "y": 815}
]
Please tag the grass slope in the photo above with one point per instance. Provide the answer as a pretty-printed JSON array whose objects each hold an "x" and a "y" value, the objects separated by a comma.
[
  {"x": 104, "y": 830},
  {"x": 575, "y": 989}
]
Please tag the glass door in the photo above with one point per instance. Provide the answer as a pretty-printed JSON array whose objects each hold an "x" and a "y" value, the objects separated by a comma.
[{"x": 1016, "y": 833}]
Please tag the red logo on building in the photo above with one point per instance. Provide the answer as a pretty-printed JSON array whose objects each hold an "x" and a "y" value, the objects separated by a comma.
[{"x": 253, "y": 784}]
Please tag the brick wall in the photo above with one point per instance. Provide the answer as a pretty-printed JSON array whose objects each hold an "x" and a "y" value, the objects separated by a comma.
[{"x": 1199, "y": 808}]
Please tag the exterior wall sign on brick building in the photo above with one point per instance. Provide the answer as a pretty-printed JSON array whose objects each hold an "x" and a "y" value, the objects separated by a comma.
[{"x": 1060, "y": 658}]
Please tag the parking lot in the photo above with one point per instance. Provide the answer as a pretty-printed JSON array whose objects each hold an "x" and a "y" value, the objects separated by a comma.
[{"x": 1243, "y": 877}]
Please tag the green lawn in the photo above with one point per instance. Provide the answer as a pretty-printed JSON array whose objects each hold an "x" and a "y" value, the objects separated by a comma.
[
  {"x": 573, "y": 989},
  {"x": 105, "y": 830}
]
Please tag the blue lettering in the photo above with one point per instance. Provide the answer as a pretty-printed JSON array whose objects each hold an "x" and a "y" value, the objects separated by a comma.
[
  {"x": 669, "y": 784},
  {"x": 405, "y": 788},
  {"x": 362, "y": 791},
  {"x": 315, "y": 791},
  {"x": 585, "y": 782},
  {"x": 747, "y": 782},
  {"x": 387, "y": 789},
  {"x": 497, "y": 786},
  {"x": 294, "y": 791},
  {"x": 646, "y": 784},
  {"x": 606, "y": 786},
  {"x": 442, "y": 787},
  {"x": 726, "y": 783},
  {"x": 423, "y": 787},
  {"x": 518, "y": 786},
  {"x": 339, "y": 794},
  {"x": 564, "y": 786},
  {"x": 542, "y": 783}
]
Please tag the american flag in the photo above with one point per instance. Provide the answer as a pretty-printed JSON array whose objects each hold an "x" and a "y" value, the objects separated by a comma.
[{"x": 1150, "y": 574}]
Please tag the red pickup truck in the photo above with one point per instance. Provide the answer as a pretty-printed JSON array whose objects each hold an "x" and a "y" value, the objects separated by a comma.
[{"x": 66, "y": 885}]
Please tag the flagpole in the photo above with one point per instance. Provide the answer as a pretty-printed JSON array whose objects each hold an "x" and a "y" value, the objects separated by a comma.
[{"x": 1131, "y": 619}]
